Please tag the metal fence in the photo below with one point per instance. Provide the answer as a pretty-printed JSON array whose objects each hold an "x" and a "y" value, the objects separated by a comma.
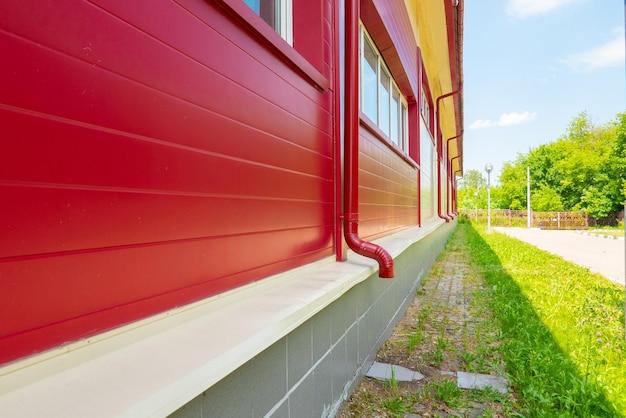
[{"x": 543, "y": 220}]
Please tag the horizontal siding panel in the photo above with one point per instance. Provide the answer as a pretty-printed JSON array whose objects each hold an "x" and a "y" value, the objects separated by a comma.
[
  {"x": 385, "y": 197},
  {"x": 214, "y": 17},
  {"x": 151, "y": 62},
  {"x": 108, "y": 278},
  {"x": 387, "y": 189},
  {"x": 52, "y": 219},
  {"x": 378, "y": 183},
  {"x": 90, "y": 323},
  {"x": 200, "y": 42},
  {"x": 63, "y": 155},
  {"x": 78, "y": 91}
]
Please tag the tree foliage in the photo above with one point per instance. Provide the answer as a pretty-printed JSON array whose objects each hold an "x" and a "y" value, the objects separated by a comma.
[
  {"x": 473, "y": 190},
  {"x": 584, "y": 170}
]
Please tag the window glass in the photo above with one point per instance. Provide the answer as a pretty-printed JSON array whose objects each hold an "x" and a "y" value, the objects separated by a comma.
[
  {"x": 428, "y": 173},
  {"x": 369, "y": 88},
  {"x": 254, "y": 5},
  {"x": 383, "y": 101},
  {"x": 277, "y": 14},
  {"x": 396, "y": 119},
  {"x": 425, "y": 109}
]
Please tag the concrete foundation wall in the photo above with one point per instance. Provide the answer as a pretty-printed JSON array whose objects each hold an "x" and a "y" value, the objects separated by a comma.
[{"x": 312, "y": 370}]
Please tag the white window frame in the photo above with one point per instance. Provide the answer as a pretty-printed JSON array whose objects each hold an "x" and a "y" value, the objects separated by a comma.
[
  {"x": 283, "y": 19},
  {"x": 425, "y": 109},
  {"x": 286, "y": 20},
  {"x": 403, "y": 121}
]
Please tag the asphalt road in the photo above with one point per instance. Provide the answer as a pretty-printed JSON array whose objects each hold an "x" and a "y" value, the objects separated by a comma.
[{"x": 601, "y": 255}]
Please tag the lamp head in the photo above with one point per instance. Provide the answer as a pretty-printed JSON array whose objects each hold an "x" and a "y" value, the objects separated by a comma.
[{"x": 488, "y": 168}]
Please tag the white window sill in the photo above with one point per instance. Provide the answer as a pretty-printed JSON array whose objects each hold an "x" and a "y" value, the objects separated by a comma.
[{"x": 152, "y": 367}]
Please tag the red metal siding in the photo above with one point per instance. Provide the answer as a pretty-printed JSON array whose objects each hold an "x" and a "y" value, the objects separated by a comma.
[
  {"x": 153, "y": 153},
  {"x": 387, "y": 188},
  {"x": 388, "y": 183}
]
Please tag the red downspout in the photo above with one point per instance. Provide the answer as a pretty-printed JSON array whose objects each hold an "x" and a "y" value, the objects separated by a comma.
[
  {"x": 451, "y": 213},
  {"x": 456, "y": 209},
  {"x": 440, "y": 148},
  {"x": 351, "y": 150},
  {"x": 454, "y": 187},
  {"x": 439, "y": 212},
  {"x": 340, "y": 251}
]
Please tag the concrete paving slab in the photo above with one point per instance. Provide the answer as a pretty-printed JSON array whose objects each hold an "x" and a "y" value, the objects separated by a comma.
[
  {"x": 384, "y": 371},
  {"x": 466, "y": 380},
  {"x": 600, "y": 255}
]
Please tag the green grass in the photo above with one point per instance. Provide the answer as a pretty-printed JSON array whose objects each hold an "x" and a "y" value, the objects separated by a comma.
[
  {"x": 446, "y": 391},
  {"x": 417, "y": 337},
  {"x": 395, "y": 406},
  {"x": 414, "y": 340},
  {"x": 561, "y": 328}
]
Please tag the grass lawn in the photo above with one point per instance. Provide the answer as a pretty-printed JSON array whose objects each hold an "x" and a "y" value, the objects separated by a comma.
[{"x": 562, "y": 328}]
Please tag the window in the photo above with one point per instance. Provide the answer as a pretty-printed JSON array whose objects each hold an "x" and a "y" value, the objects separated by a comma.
[
  {"x": 381, "y": 100},
  {"x": 277, "y": 14},
  {"x": 428, "y": 173},
  {"x": 425, "y": 110},
  {"x": 369, "y": 81}
]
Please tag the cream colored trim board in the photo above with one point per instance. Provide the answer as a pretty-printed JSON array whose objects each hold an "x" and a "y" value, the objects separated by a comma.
[{"x": 152, "y": 367}]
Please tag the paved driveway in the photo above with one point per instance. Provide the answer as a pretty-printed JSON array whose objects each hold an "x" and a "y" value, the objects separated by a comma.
[{"x": 601, "y": 255}]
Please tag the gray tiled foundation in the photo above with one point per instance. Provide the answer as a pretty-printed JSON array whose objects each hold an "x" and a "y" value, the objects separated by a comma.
[{"x": 311, "y": 371}]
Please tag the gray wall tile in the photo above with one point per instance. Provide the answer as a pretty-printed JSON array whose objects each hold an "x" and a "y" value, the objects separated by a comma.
[
  {"x": 301, "y": 400},
  {"x": 299, "y": 354},
  {"x": 192, "y": 410},
  {"x": 269, "y": 378},
  {"x": 230, "y": 398},
  {"x": 320, "y": 325},
  {"x": 282, "y": 411}
]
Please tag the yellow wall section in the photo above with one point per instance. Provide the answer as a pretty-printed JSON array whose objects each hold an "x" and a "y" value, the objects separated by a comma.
[{"x": 428, "y": 18}]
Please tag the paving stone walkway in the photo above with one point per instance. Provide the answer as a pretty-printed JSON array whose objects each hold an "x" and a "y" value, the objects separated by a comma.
[{"x": 447, "y": 329}]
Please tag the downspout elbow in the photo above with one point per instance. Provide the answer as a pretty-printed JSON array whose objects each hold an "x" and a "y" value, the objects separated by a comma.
[{"x": 371, "y": 250}]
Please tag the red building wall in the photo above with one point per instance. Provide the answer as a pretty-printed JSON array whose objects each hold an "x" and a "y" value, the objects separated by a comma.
[
  {"x": 153, "y": 153},
  {"x": 157, "y": 152},
  {"x": 387, "y": 188}
]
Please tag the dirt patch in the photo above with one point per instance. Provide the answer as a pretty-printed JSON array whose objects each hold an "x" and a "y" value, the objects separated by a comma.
[{"x": 448, "y": 327}]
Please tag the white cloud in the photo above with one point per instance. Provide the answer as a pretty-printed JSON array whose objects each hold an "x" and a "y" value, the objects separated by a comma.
[
  {"x": 525, "y": 8},
  {"x": 609, "y": 54},
  {"x": 479, "y": 124},
  {"x": 506, "y": 119}
]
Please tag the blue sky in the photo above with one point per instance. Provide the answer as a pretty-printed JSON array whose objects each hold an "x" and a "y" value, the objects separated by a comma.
[{"x": 530, "y": 66}]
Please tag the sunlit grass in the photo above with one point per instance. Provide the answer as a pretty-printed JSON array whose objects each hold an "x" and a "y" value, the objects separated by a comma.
[{"x": 562, "y": 328}]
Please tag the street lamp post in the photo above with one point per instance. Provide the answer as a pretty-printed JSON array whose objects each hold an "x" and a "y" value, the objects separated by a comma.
[
  {"x": 528, "y": 213},
  {"x": 488, "y": 169}
]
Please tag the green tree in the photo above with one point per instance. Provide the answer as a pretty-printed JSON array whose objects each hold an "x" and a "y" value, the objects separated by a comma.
[
  {"x": 512, "y": 193},
  {"x": 546, "y": 199},
  {"x": 596, "y": 202},
  {"x": 585, "y": 170},
  {"x": 473, "y": 190}
]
